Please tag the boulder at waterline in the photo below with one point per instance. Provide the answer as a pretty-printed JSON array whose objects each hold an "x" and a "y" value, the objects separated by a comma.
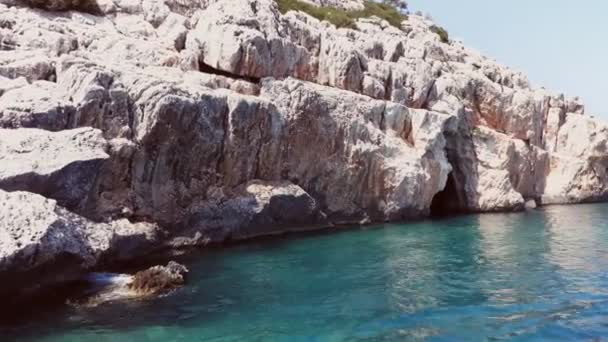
[
  {"x": 42, "y": 243},
  {"x": 159, "y": 279}
]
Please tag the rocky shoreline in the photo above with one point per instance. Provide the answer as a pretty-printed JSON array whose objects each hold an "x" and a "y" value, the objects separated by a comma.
[{"x": 164, "y": 124}]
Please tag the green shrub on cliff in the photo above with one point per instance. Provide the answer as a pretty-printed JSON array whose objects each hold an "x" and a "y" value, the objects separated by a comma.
[
  {"x": 383, "y": 11},
  {"x": 344, "y": 18},
  {"x": 336, "y": 16},
  {"x": 441, "y": 32}
]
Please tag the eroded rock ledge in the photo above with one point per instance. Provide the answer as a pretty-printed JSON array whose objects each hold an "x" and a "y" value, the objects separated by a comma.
[{"x": 169, "y": 123}]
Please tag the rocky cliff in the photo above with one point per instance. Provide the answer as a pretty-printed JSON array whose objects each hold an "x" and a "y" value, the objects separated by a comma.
[{"x": 128, "y": 124}]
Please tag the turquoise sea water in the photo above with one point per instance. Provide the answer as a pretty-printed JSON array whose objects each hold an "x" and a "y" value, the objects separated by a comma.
[{"x": 535, "y": 276}]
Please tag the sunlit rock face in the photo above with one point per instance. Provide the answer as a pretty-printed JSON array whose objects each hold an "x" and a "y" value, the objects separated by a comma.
[
  {"x": 61, "y": 165},
  {"x": 220, "y": 120},
  {"x": 42, "y": 242}
]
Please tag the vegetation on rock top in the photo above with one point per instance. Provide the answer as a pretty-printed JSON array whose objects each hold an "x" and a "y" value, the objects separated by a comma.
[
  {"x": 345, "y": 18},
  {"x": 441, "y": 32}
]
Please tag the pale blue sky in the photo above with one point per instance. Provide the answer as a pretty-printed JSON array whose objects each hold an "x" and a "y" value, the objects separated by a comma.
[{"x": 561, "y": 45}]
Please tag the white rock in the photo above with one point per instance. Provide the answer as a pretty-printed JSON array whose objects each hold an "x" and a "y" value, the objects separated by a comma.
[
  {"x": 38, "y": 235},
  {"x": 37, "y": 105},
  {"x": 61, "y": 165},
  {"x": 372, "y": 124}
]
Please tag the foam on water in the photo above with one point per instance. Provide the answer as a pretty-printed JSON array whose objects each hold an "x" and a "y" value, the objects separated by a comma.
[
  {"x": 107, "y": 287},
  {"x": 105, "y": 279}
]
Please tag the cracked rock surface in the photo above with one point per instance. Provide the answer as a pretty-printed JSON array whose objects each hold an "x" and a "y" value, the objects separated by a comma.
[{"x": 225, "y": 119}]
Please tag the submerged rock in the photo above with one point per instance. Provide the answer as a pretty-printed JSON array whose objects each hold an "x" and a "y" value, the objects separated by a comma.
[
  {"x": 159, "y": 279},
  {"x": 111, "y": 287}
]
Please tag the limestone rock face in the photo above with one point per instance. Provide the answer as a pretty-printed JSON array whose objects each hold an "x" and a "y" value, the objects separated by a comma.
[
  {"x": 578, "y": 169},
  {"x": 62, "y": 165},
  {"x": 246, "y": 39},
  {"x": 38, "y": 105},
  {"x": 254, "y": 209},
  {"x": 41, "y": 240},
  {"x": 31, "y": 223},
  {"x": 365, "y": 151},
  {"x": 183, "y": 95},
  {"x": 225, "y": 119}
]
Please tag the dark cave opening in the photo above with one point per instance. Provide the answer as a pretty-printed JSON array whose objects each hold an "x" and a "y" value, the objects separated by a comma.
[{"x": 446, "y": 202}]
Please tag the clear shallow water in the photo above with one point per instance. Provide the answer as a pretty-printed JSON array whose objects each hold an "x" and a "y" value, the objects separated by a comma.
[{"x": 541, "y": 275}]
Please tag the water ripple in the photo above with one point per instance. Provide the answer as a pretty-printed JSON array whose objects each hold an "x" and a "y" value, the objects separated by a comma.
[{"x": 540, "y": 275}]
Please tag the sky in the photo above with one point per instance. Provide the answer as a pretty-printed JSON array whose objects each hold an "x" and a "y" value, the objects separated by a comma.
[{"x": 561, "y": 45}]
